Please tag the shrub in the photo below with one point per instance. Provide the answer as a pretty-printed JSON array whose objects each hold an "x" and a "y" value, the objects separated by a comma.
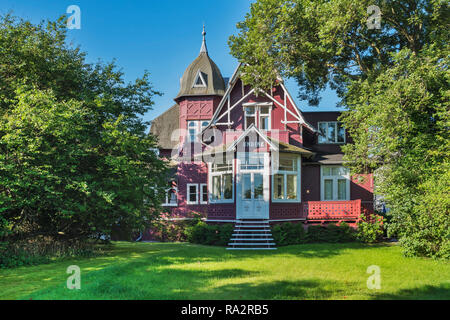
[
  {"x": 288, "y": 233},
  {"x": 207, "y": 234},
  {"x": 370, "y": 228},
  {"x": 293, "y": 233},
  {"x": 167, "y": 230},
  {"x": 38, "y": 251}
]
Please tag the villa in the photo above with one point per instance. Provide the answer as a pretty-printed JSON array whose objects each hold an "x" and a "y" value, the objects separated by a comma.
[{"x": 253, "y": 158}]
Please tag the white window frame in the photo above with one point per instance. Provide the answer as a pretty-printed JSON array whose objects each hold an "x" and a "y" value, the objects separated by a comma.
[
  {"x": 335, "y": 132},
  {"x": 201, "y": 193},
  {"x": 195, "y": 122},
  {"x": 204, "y": 83},
  {"x": 285, "y": 174},
  {"x": 257, "y": 115},
  {"x": 188, "y": 193},
  {"x": 212, "y": 174},
  {"x": 335, "y": 183},
  {"x": 198, "y": 129},
  {"x": 167, "y": 203},
  {"x": 269, "y": 115},
  {"x": 245, "y": 116}
]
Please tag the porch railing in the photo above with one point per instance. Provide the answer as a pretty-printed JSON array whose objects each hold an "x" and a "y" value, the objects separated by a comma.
[{"x": 335, "y": 210}]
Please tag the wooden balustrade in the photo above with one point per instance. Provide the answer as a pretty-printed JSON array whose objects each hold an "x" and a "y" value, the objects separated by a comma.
[{"x": 332, "y": 210}]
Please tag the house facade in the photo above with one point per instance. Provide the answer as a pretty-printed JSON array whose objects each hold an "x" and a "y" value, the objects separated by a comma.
[{"x": 253, "y": 158}]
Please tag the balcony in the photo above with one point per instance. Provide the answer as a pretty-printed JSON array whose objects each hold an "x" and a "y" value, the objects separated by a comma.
[{"x": 332, "y": 210}]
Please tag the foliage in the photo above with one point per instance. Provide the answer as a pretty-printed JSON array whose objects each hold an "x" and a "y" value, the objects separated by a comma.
[
  {"x": 288, "y": 233},
  {"x": 167, "y": 230},
  {"x": 210, "y": 234},
  {"x": 393, "y": 83},
  {"x": 294, "y": 233},
  {"x": 41, "y": 251},
  {"x": 75, "y": 159},
  {"x": 370, "y": 229}
]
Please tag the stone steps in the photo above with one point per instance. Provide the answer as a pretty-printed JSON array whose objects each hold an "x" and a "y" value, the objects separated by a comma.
[{"x": 252, "y": 234}]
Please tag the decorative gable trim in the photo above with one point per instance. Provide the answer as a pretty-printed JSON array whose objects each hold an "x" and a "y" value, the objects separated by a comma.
[
  {"x": 226, "y": 98},
  {"x": 252, "y": 128}
]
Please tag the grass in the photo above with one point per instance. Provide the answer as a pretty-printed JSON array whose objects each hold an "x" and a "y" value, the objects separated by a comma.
[{"x": 185, "y": 271}]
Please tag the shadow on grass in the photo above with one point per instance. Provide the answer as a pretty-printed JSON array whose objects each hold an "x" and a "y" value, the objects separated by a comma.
[
  {"x": 314, "y": 250},
  {"x": 441, "y": 292},
  {"x": 176, "y": 272}
]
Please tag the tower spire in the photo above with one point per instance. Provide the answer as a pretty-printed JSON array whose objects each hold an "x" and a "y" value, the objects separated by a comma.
[{"x": 203, "y": 48}]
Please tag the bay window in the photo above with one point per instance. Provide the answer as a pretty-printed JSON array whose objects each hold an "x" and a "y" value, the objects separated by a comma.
[
  {"x": 286, "y": 178},
  {"x": 335, "y": 183},
  {"x": 194, "y": 129}
]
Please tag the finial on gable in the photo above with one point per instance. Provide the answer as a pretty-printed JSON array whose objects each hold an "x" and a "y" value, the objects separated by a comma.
[{"x": 203, "y": 48}]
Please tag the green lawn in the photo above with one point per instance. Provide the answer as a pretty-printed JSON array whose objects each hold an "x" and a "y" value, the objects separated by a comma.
[{"x": 184, "y": 271}]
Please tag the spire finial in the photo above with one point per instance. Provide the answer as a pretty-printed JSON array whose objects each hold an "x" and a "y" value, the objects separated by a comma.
[{"x": 203, "y": 48}]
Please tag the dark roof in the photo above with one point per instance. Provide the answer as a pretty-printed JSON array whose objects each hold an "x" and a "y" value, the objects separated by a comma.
[
  {"x": 163, "y": 126},
  {"x": 214, "y": 81},
  {"x": 324, "y": 158}
]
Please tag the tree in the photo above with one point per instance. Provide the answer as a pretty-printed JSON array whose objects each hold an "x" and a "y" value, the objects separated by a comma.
[
  {"x": 75, "y": 160},
  {"x": 393, "y": 83}
]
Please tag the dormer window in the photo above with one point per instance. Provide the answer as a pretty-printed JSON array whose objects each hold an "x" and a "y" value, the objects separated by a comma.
[{"x": 201, "y": 80}]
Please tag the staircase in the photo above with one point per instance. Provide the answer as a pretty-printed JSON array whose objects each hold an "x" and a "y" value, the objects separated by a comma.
[{"x": 252, "y": 234}]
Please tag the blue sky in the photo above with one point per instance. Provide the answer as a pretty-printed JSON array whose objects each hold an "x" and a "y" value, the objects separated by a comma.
[{"x": 163, "y": 37}]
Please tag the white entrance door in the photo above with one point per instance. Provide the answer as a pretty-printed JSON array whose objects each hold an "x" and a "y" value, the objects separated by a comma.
[{"x": 253, "y": 187}]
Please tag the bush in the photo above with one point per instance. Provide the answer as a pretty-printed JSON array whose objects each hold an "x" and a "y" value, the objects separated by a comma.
[
  {"x": 208, "y": 234},
  {"x": 166, "y": 230},
  {"x": 370, "y": 228},
  {"x": 331, "y": 233},
  {"x": 293, "y": 233},
  {"x": 288, "y": 233},
  {"x": 39, "y": 251}
]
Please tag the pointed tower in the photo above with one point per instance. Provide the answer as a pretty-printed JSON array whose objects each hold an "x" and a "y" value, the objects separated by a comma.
[{"x": 201, "y": 89}]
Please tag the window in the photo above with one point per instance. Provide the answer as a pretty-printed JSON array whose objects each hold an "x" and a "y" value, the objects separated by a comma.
[
  {"x": 250, "y": 116},
  {"x": 203, "y": 193},
  {"x": 286, "y": 178},
  {"x": 252, "y": 160},
  {"x": 222, "y": 181},
  {"x": 331, "y": 132},
  {"x": 171, "y": 198},
  {"x": 204, "y": 124},
  {"x": 192, "y": 193},
  {"x": 335, "y": 183},
  {"x": 200, "y": 80},
  {"x": 264, "y": 118},
  {"x": 194, "y": 129},
  {"x": 260, "y": 113}
]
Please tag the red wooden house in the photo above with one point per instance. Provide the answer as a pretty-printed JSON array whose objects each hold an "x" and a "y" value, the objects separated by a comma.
[{"x": 253, "y": 158}]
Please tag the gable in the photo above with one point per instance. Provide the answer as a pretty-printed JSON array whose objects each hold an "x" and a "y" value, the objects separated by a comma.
[{"x": 229, "y": 112}]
